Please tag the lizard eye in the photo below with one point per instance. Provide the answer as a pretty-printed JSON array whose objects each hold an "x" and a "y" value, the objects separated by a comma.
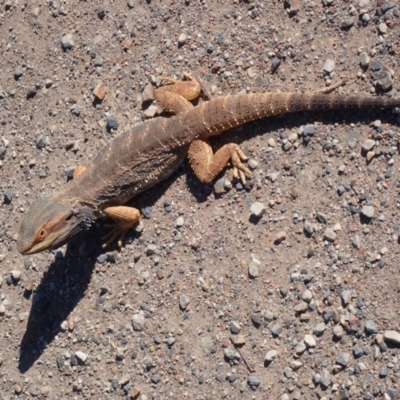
[{"x": 42, "y": 234}]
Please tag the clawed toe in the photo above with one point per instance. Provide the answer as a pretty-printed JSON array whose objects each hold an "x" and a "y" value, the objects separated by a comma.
[
  {"x": 117, "y": 234},
  {"x": 239, "y": 170}
]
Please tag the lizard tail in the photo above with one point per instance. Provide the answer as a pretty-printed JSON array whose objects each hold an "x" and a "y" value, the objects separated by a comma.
[{"x": 231, "y": 111}]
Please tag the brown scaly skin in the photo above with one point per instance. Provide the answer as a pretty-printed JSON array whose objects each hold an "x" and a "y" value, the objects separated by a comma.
[{"x": 146, "y": 154}]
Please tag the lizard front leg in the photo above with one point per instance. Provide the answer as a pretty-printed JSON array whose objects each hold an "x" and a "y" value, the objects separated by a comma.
[
  {"x": 207, "y": 165},
  {"x": 125, "y": 217},
  {"x": 175, "y": 98}
]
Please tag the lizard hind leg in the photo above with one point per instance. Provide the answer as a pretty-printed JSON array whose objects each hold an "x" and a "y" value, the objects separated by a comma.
[
  {"x": 207, "y": 165},
  {"x": 124, "y": 217}
]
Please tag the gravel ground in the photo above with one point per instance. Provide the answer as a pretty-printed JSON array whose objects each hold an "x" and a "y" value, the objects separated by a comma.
[{"x": 285, "y": 288}]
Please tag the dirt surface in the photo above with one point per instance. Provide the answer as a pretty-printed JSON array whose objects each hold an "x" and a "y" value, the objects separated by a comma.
[{"x": 313, "y": 277}]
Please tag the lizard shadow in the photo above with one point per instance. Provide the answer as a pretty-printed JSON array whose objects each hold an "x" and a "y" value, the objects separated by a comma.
[{"x": 62, "y": 286}]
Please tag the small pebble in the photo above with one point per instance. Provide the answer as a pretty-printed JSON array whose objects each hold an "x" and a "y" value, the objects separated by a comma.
[
  {"x": 329, "y": 66},
  {"x": 219, "y": 186},
  {"x": 370, "y": 155},
  {"x": 184, "y": 301},
  {"x": 257, "y": 209},
  {"x": 348, "y": 23},
  {"x": 368, "y": 145},
  {"x": 67, "y": 42},
  {"x": 309, "y": 130},
  {"x": 101, "y": 258},
  {"x": 383, "y": 372},
  {"x": 385, "y": 83},
  {"x": 28, "y": 285},
  {"x": 319, "y": 329},
  {"x": 101, "y": 13},
  {"x": 138, "y": 322},
  {"x": 392, "y": 336},
  {"x": 18, "y": 72},
  {"x": 182, "y": 39},
  {"x": 275, "y": 63},
  {"x": 16, "y": 275},
  {"x": 112, "y": 122},
  {"x": 151, "y": 249},
  {"x": 148, "y": 93},
  {"x": 358, "y": 352},
  {"x": 364, "y": 60},
  {"x": 276, "y": 329},
  {"x": 134, "y": 393},
  {"x": 280, "y": 237},
  {"x": 8, "y": 195},
  {"x": 235, "y": 327},
  {"x": 330, "y": 235},
  {"x": 270, "y": 355},
  {"x": 254, "y": 267},
  {"x": 301, "y": 307},
  {"x": 338, "y": 332},
  {"x": 308, "y": 228},
  {"x": 307, "y": 296},
  {"x": 252, "y": 164},
  {"x": 80, "y": 355},
  {"x": 356, "y": 242},
  {"x": 238, "y": 340},
  {"x": 100, "y": 91},
  {"x": 343, "y": 359},
  {"x": 322, "y": 218},
  {"x": 309, "y": 341},
  {"x": 300, "y": 348},
  {"x": 370, "y": 327},
  {"x": 346, "y": 296},
  {"x": 252, "y": 380},
  {"x": 368, "y": 211},
  {"x": 382, "y": 28}
]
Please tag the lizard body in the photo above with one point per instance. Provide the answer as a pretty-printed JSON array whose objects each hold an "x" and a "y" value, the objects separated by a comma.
[{"x": 148, "y": 153}]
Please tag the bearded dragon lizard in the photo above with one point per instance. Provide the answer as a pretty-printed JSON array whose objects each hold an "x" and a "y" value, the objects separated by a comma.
[{"x": 150, "y": 152}]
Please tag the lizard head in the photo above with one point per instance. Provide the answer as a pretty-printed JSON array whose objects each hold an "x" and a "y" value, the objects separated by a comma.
[{"x": 49, "y": 224}]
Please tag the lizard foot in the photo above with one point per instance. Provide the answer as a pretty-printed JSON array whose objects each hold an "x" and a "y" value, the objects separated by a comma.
[
  {"x": 117, "y": 233},
  {"x": 238, "y": 170},
  {"x": 124, "y": 217},
  {"x": 208, "y": 165}
]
